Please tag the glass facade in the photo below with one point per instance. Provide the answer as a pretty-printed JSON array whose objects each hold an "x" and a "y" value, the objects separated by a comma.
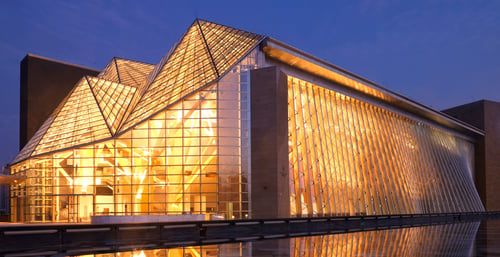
[
  {"x": 348, "y": 157},
  {"x": 206, "y": 52},
  {"x": 192, "y": 158},
  {"x": 174, "y": 139}
]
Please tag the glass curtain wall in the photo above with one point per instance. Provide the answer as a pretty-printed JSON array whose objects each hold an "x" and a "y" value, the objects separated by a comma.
[
  {"x": 166, "y": 165},
  {"x": 192, "y": 158},
  {"x": 348, "y": 157}
]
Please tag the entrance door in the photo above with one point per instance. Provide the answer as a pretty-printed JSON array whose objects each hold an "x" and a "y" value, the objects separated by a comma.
[{"x": 75, "y": 208}]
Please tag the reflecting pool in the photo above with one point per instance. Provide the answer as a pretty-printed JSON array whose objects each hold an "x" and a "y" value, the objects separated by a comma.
[{"x": 459, "y": 239}]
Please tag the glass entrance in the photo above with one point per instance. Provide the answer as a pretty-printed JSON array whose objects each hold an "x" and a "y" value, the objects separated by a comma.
[{"x": 74, "y": 208}]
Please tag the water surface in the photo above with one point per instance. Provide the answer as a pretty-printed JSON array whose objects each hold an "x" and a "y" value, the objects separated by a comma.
[{"x": 459, "y": 239}]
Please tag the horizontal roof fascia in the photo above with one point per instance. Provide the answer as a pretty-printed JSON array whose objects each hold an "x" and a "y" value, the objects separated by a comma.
[{"x": 303, "y": 61}]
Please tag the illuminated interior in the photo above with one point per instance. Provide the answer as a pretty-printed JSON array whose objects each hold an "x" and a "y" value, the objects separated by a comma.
[
  {"x": 233, "y": 250},
  {"x": 348, "y": 157},
  {"x": 174, "y": 139},
  {"x": 183, "y": 149}
]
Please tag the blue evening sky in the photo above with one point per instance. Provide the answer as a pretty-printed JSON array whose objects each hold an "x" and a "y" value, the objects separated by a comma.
[{"x": 441, "y": 53}]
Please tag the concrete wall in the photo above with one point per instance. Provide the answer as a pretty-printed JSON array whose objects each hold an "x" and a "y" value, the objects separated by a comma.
[
  {"x": 484, "y": 115},
  {"x": 269, "y": 144},
  {"x": 44, "y": 84}
]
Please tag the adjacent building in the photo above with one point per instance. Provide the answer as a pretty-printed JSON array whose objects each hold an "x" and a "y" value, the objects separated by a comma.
[
  {"x": 231, "y": 124},
  {"x": 44, "y": 84},
  {"x": 484, "y": 115}
]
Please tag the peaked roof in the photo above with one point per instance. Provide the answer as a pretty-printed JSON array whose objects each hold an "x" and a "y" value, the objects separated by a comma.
[
  {"x": 77, "y": 120},
  {"x": 127, "y": 92},
  {"x": 205, "y": 52},
  {"x": 125, "y": 71},
  {"x": 113, "y": 99}
]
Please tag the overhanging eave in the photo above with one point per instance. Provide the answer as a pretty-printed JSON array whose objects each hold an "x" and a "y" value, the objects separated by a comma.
[{"x": 315, "y": 66}]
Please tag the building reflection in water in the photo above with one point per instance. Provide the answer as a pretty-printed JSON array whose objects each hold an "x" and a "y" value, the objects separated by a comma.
[
  {"x": 444, "y": 240},
  {"x": 441, "y": 240},
  {"x": 222, "y": 250}
]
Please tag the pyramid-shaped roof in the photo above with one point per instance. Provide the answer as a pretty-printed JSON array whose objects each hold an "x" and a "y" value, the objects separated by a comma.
[
  {"x": 206, "y": 51},
  {"x": 76, "y": 121},
  {"x": 226, "y": 45},
  {"x": 113, "y": 99},
  {"x": 127, "y": 92},
  {"x": 128, "y": 72}
]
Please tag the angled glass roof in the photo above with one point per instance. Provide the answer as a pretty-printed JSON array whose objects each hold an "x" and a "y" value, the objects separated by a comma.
[
  {"x": 110, "y": 72},
  {"x": 127, "y": 92},
  {"x": 33, "y": 142},
  {"x": 205, "y": 52},
  {"x": 227, "y": 45},
  {"x": 126, "y": 72},
  {"x": 113, "y": 99},
  {"x": 188, "y": 66},
  {"x": 77, "y": 120}
]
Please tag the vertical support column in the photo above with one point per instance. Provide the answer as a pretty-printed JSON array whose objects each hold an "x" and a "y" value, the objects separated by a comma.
[{"x": 270, "y": 194}]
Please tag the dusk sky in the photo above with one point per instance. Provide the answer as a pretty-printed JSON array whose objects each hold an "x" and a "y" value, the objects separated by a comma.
[{"x": 440, "y": 53}]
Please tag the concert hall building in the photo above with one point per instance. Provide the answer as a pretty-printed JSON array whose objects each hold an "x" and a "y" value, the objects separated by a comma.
[{"x": 233, "y": 125}]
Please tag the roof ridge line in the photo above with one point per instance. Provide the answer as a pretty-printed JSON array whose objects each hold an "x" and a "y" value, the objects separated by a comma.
[
  {"x": 220, "y": 24},
  {"x": 133, "y": 105},
  {"x": 208, "y": 48},
  {"x": 61, "y": 62},
  {"x": 142, "y": 62},
  {"x": 216, "y": 80},
  {"x": 98, "y": 105},
  {"x": 56, "y": 112},
  {"x": 117, "y": 70}
]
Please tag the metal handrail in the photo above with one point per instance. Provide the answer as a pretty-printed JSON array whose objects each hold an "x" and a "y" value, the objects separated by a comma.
[{"x": 71, "y": 237}]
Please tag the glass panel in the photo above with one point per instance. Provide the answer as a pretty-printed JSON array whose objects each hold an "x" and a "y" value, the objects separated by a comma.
[
  {"x": 188, "y": 68},
  {"x": 113, "y": 99},
  {"x": 175, "y": 163},
  {"x": 372, "y": 160},
  {"x": 78, "y": 121}
]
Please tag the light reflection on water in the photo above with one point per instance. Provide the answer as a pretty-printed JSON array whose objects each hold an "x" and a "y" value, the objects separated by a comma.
[{"x": 460, "y": 239}]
